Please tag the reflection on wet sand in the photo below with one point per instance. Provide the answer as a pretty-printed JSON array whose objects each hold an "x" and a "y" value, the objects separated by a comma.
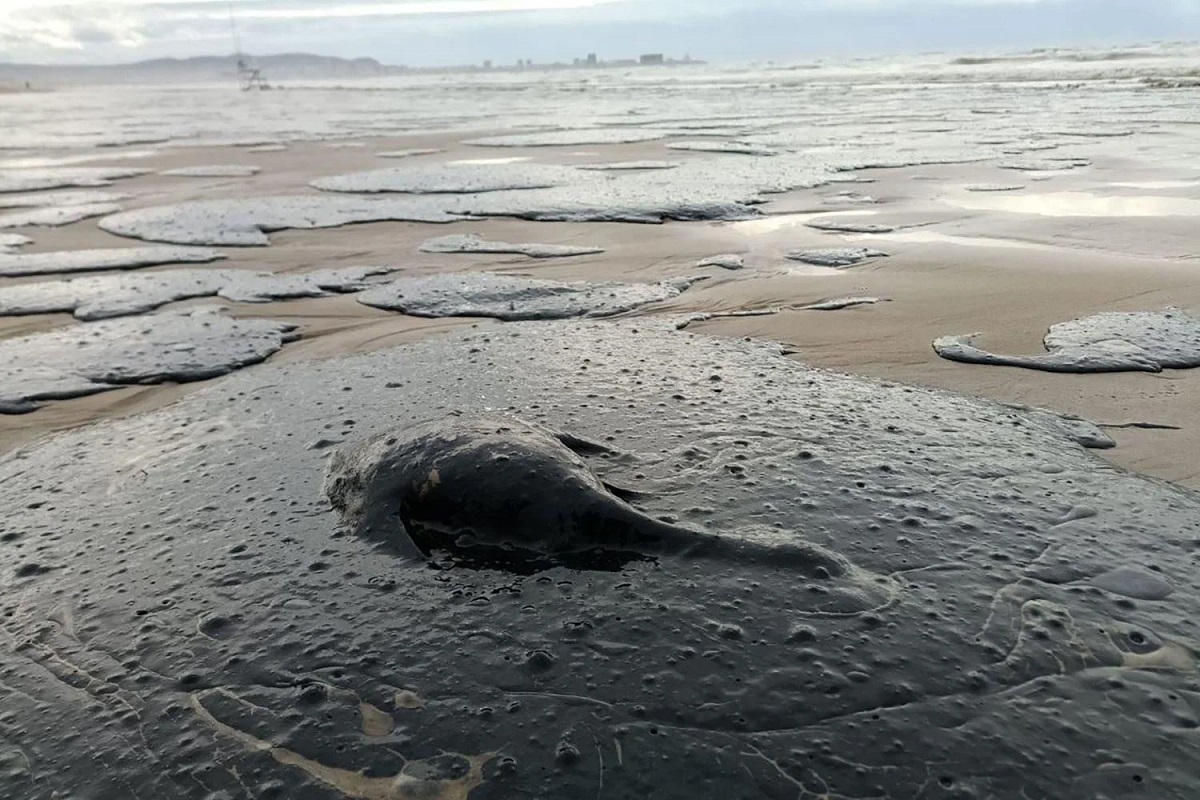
[{"x": 1079, "y": 204}]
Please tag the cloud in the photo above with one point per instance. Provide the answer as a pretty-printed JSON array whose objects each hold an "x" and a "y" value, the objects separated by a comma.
[
  {"x": 403, "y": 9},
  {"x": 457, "y": 31},
  {"x": 41, "y": 28}
]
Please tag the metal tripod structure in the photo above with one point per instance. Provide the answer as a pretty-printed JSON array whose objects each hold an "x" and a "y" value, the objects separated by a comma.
[{"x": 250, "y": 76}]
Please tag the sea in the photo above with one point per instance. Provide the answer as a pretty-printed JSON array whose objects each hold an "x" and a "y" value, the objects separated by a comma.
[{"x": 854, "y": 112}]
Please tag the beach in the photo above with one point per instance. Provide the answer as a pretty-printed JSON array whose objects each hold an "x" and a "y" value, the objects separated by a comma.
[
  {"x": 756, "y": 431},
  {"x": 1006, "y": 274}
]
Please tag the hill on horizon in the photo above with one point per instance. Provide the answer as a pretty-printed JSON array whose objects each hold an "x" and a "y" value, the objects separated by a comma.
[{"x": 194, "y": 69}]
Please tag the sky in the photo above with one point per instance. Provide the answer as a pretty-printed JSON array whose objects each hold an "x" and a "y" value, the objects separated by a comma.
[{"x": 441, "y": 32}]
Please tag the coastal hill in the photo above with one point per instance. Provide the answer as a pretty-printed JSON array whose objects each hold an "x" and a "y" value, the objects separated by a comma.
[
  {"x": 200, "y": 69},
  {"x": 280, "y": 68}
]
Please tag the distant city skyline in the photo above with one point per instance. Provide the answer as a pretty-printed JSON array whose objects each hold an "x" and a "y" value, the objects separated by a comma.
[{"x": 447, "y": 32}]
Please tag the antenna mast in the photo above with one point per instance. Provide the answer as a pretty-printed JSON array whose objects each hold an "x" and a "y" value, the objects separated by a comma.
[
  {"x": 237, "y": 41},
  {"x": 249, "y": 74}
]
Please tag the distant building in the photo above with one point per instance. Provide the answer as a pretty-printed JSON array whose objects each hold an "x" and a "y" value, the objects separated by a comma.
[
  {"x": 487, "y": 64},
  {"x": 650, "y": 59},
  {"x": 591, "y": 60}
]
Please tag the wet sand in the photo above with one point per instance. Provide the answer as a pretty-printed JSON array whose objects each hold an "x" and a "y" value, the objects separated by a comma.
[{"x": 969, "y": 263}]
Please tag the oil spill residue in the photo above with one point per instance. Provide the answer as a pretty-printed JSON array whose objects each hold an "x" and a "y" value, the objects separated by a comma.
[
  {"x": 839, "y": 226},
  {"x": 736, "y": 148},
  {"x": 12, "y": 241},
  {"x": 623, "y": 166},
  {"x": 730, "y": 261},
  {"x": 33, "y": 180},
  {"x": 449, "y": 179},
  {"x": 509, "y": 297},
  {"x": 1117, "y": 341},
  {"x": 570, "y": 138},
  {"x": 56, "y": 216},
  {"x": 100, "y": 356},
  {"x": 837, "y": 257},
  {"x": 214, "y": 171},
  {"x": 107, "y": 296},
  {"x": 471, "y": 243},
  {"x": 976, "y": 609},
  {"x": 445, "y": 777},
  {"x": 246, "y": 222},
  {"x": 839, "y": 303},
  {"x": 66, "y": 197},
  {"x": 499, "y": 490},
  {"x": 410, "y": 153}
]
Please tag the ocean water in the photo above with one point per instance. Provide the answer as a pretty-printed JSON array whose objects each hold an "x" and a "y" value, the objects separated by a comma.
[{"x": 854, "y": 111}]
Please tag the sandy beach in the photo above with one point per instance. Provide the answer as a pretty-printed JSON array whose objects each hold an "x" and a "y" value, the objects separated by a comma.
[{"x": 1007, "y": 274}]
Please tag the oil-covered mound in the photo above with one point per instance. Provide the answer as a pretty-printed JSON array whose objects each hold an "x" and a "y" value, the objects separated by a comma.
[
  {"x": 32, "y": 180},
  {"x": 101, "y": 356},
  {"x": 1134, "y": 341},
  {"x": 405, "y": 487},
  {"x": 511, "y": 297},
  {"x": 738, "y": 148},
  {"x": 623, "y": 166},
  {"x": 994, "y": 187},
  {"x": 410, "y": 153},
  {"x": 19, "y": 264},
  {"x": 699, "y": 189},
  {"x": 12, "y": 241},
  {"x": 1046, "y": 165},
  {"x": 55, "y": 216},
  {"x": 835, "y": 226},
  {"x": 999, "y": 614},
  {"x": 730, "y": 261},
  {"x": 839, "y": 303},
  {"x": 106, "y": 296},
  {"x": 246, "y": 222},
  {"x": 472, "y": 243},
  {"x": 449, "y": 179},
  {"x": 65, "y": 197},
  {"x": 835, "y": 257},
  {"x": 214, "y": 171},
  {"x": 570, "y": 137}
]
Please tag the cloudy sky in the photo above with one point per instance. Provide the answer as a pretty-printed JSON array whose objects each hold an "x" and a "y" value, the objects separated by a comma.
[{"x": 421, "y": 32}]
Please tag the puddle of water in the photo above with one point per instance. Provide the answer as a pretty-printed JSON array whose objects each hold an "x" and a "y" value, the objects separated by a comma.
[
  {"x": 932, "y": 237},
  {"x": 1152, "y": 185},
  {"x": 1046, "y": 174},
  {"x": 1080, "y": 204},
  {"x": 811, "y": 270},
  {"x": 509, "y": 160},
  {"x": 778, "y": 222},
  {"x": 64, "y": 161}
]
